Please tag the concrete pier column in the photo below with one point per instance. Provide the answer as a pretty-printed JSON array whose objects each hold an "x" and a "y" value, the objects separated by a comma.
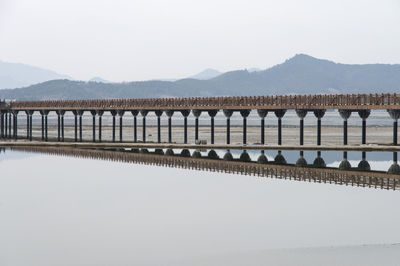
[
  {"x": 144, "y": 113},
  {"x": 319, "y": 113},
  {"x": 228, "y": 114},
  {"x": 121, "y": 114},
  {"x": 394, "y": 168},
  {"x": 185, "y": 114},
  {"x": 113, "y": 113},
  {"x": 42, "y": 116},
  {"x": 15, "y": 115},
  {"x": 262, "y": 114},
  {"x": 196, "y": 114},
  {"x": 279, "y": 114},
  {"x": 27, "y": 124},
  {"x": 75, "y": 125},
  {"x": 395, "y": 115},
  {"x": 364, "y": 114},
  {"x": 93, "y": 113},
  {"x": 30, "y": 126},
  {"x": 169, "y": 113},
  {"x": 345, "y": 114},
  {"x": 319, "y": 162},
  {"x": 158, "y": 114},
  {"x": 301, "y": 113},
  {"x": 135, "y": 113},
  {"x": 1, "y": 124},
  {"x": 100, "y": 114},
  {"x": 364, "y": 165},
  {"x": 9, "y": 124},
  {"x": 245, "y": 114},
  {"x": 60, "y": 124},
  {"x": 212, "y": 114},
  {"x": 6, "y": 124},
  {"x": 80, "y": 113}
]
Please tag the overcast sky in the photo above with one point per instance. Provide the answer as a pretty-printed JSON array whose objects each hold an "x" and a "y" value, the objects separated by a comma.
[{"x": 145, "y": 39}]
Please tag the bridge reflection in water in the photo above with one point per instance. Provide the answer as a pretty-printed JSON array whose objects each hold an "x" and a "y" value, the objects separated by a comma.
[{"x": 301, "y": 170}]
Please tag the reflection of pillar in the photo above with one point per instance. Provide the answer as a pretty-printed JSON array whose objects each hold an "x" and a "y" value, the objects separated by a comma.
[
  {"x": 262, "y": 114},
  {"x": 319, "y": 113},
  {"x": 345, "y": 114},
  {"x": 364, "y": 114},
  {"x": 185, "y": 114},
  {"x": 301, "y": 113},
  {"x": 144, "y": 113},
  {"x": 395, "y": 167},
  {"x": 135, "y": 113},
  {"x": 228, "y": 114},
  {"x": 158, "y": 114},
  {"x": 196, "y": 114},
  {"x": 395, "y": 115},
  {"x": 279, "y": 114},
  {"x": 245, "y": 114},
  {"x": 212, "y": 114},
  {"x": 169, "y": 113},
  {"x": 121, "y": 114}
]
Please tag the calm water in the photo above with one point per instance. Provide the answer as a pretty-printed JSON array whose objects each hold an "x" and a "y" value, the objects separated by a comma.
[{"x": 59, "y": 210}]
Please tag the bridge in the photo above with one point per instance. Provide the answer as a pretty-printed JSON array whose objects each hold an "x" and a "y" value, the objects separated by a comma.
[
  {"x": 300, "y": 171},
  {"x": 362, "y": 104}
]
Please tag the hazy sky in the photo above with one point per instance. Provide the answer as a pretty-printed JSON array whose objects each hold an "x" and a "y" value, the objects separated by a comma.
[{"x": 145, "y": 39}]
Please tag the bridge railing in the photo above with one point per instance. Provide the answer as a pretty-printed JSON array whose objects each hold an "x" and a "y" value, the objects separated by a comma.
[{"x": 229, "y": 102}]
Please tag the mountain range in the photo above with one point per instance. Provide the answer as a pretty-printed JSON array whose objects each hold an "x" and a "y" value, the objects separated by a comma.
[{"x": 301, "y": 74}]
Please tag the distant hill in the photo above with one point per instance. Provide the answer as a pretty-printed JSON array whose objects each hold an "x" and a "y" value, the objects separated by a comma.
[
  {"x": 208, "y": 73},
  {"x": 98, "y": 79},
  {"x": 301, "y": 74},
  {"x": 13, "y": 75}
]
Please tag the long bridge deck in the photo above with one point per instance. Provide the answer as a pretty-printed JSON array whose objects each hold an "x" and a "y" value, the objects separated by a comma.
[{"x": 302, "y": 104}]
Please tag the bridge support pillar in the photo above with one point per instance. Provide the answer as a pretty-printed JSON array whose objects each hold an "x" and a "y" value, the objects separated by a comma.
[
  {"x": 212, "y": 114},
  {"x": 93, "y": 113},
  {"x": 144, "y": 113},
  {"x": 279, "y": 114},
  {"x": 196, "y": 114},
  {"x": 364, "y": 114},
  {"x": 60, "y": 124},
  {"x": 113, "y": 113},
  {"x": 228, "y": 114},
  {"x": 121, "y": 114},
  {"x": 75, "y": 125},
  {"x": 1, "y": 124},
  {"x": 135, "y": 113},
  {"x": 301, "y": 113},
  {"x": 15, "y": 130},
  {"x": 245, "y": 114},
  {"x": 44, "y": 114},
  {"x": 158, "y": 114},
  {"x": 80, "y": 113},
  {"x": 319, "y": 113},
  {"x": 10, "y": 124},
  {"x": 100, "y": 114},
  {"x": 395, "y": 115},
  {"x": 345, "y": 114},
  {"x": 262, "y": 114},
  {"x": 185, "y": 114},
  {"x": 169, "y": 113}
]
